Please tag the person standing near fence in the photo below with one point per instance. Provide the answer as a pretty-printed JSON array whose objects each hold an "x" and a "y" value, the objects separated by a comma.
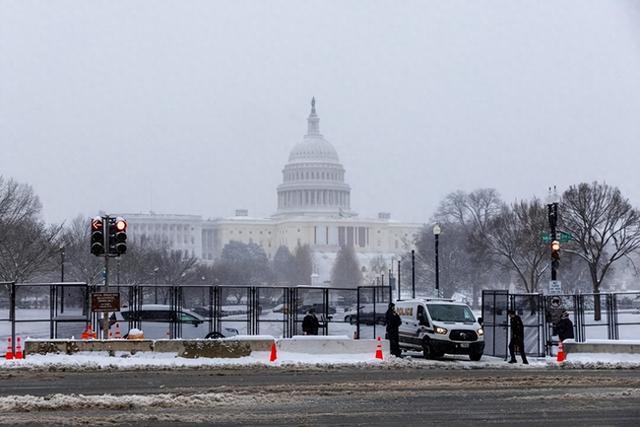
[
  {"x": 517, "y": 338},
  {"x": 393, "y": 322},
  {"x": 310, "y": 323},
  {"x": 564, "y": 328}
]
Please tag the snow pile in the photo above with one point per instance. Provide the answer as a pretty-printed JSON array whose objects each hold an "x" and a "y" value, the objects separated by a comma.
[
  {"x": 150, "y": 360},
  {"x": 60, "y": 402},
  {"x": 599, "y": 361}
]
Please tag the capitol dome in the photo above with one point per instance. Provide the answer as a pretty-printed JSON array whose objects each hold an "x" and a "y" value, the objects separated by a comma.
[{"x": 313, "y": 179}]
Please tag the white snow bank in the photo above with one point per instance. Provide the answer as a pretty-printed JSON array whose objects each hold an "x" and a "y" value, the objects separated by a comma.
[
  {"x": 60, "y": 402},
  {"x": 150, "y": 360},
  {"x": 601, "y": 361},
  {"x": 321, "y": 337},
  {"x": 611, "y": 342}
]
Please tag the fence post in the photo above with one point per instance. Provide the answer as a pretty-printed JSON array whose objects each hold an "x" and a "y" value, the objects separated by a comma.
[
  {"x": 12, "y": 315},
  {"x": 358, "y": 313}
]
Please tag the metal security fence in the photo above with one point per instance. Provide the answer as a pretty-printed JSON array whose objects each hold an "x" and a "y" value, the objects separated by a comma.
[
  {"x": 619, "y": 318},
  {"x": 372, "y": 303},
  {"x": 62, "y": 310}
]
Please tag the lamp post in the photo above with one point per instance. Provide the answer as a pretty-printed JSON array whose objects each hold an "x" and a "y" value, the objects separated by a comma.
[
  {"x": 436, "y": 235},
  {"x": 62, "y": 277},
  {"x": 155, "y": 287},
  {"x": 413, "y": 273}
]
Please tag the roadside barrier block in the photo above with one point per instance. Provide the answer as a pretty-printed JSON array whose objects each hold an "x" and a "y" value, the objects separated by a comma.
[
  {"x": 601, "y": 346},
  {"x": 331, "y": 345},
  {"x": 193, "y": 349}
]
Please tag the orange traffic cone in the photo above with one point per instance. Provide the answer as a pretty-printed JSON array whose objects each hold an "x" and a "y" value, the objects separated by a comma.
[
  {"x": 561, "y": 356},
  {"x": 90, "y": 334},
  {"x": 117, "y": 335},
  {"x": 274, "y": 353},
  {"x": 9, "y": 354},
  {"x": 379, "y": 349},
  {"x": 85, "y": 334},
  {"x": 19, "y": 354}
]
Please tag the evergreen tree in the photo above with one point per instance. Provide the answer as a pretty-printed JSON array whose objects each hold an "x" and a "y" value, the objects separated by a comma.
[
  {"x": 303, "y": 265},
  {"x": 346, "y": 269}
]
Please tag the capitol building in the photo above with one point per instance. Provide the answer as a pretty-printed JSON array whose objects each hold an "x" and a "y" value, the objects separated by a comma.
[{"x": 314, "y": 208}]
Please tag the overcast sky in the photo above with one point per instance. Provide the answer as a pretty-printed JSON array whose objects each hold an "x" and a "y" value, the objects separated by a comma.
[{"x": 192, "y": 107}]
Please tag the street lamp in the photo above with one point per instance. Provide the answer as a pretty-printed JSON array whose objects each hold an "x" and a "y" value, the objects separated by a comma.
[
  {"x": 436, "y": 234},
  {"x": 155, "y": 282},
  {"x": 62, "y": 277}
]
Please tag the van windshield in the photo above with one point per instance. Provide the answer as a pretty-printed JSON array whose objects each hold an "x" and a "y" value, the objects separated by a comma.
[{"x": 450, "y": 313}]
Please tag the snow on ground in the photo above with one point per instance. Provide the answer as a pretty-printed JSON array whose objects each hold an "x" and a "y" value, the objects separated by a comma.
[
  {"x": 151, "y": 361},
  {"x": 115, "y": 402}
]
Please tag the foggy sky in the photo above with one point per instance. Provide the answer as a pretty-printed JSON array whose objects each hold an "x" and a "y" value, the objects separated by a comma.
[{"x": 192, "y": 107}]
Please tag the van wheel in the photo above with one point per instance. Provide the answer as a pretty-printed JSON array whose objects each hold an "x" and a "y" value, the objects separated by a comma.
[
  {"x": 428, "y": 351},
  {"x": 475, "y": 356}
]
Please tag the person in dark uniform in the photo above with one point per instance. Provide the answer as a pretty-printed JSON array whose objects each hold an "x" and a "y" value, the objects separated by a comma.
[
  {"x": 393, "y": 322},
  {"x": 564, "y": 327},
  {"x": 517, "y": 338},
  {"x": 310, "y": 324}
]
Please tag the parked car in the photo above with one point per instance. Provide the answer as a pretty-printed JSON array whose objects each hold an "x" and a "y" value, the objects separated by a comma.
[
  {"x": 367, "y": 314},
  {"x": 156, "y": 322}
]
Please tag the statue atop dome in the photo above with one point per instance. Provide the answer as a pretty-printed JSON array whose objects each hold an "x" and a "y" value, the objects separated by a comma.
[{"x": 313, "y": 122}]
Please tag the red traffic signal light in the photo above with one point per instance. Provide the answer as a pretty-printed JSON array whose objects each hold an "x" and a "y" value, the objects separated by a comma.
[
  {"x": 555, "y": 254},
  {"x": 117, "y": 236},
  {"x": 97, "y": 236}
]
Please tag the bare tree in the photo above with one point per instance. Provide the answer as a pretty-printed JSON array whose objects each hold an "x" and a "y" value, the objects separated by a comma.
[
  {"x": 27, "y": 244},
  {"x": 18, "y": 202},
  {"x": 81, "y": 265},
  {"x": 514, "y": 238},
  {"x": 605, "y": 228},
  {"x": 455, "y": 270},
  {"x": 468, "y": 215}
]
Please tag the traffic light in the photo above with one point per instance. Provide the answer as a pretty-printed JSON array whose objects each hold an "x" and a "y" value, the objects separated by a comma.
[
  {"x": 555, "y": 254},
  {"x": 117, "y": 236},
  {"x": 97, "y": 236},
  {"x": 121, "y": 236}
]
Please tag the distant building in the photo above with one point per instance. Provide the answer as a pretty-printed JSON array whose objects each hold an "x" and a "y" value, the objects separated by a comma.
[{"x": 314, "y": 208}]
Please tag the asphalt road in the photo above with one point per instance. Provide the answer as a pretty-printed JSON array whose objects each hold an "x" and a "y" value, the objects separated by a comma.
[{"x": 314, "y": 396}]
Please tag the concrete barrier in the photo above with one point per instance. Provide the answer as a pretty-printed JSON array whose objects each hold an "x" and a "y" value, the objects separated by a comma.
[
  {"x": 602, "y": 346},
  {"x": 74, "y": 346},
  {"x": 231, "y": 347},
  {"x": 193, "y": 349},
  {"x": 330, "y": 345}
]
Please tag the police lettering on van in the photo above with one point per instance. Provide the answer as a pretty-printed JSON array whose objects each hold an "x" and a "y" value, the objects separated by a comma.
[{"x": 437, "y": 326}]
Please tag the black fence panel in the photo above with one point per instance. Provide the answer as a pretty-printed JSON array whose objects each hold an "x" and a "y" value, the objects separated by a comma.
[
  {"x": 495, "y": 322},
  {"x": 342, "y": 312},
  {"x": 530, "y": 308},
  {"x": 627, "y": 312},
  {"x": 62, "y": 310},
  {"x": 372, "y": 304}
]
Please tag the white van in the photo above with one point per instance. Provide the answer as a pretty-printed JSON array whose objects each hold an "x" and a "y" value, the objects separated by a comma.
[{"x": 438, "y": 326}]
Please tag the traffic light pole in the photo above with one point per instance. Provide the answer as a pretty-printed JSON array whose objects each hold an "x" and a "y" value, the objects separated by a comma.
[
  {"x": 108, "y": 239},
  {"x": 553, "y": 222},
  {"x": 105, "y": 315}
]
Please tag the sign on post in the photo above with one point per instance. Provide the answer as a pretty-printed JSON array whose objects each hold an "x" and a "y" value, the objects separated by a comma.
[
  {"x": 555, "y": 287},
  {"x": 105, "y": 301}
]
